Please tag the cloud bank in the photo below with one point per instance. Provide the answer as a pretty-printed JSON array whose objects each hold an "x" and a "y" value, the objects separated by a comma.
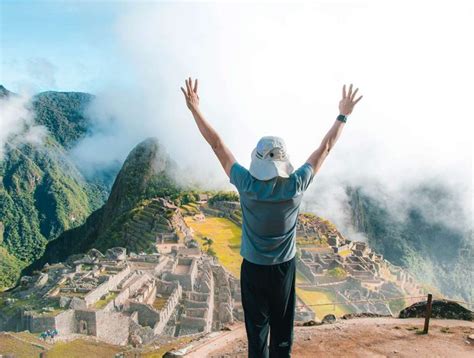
[
  {"x": 278, "y": 70},
  {"x": 17, "y": 124}
]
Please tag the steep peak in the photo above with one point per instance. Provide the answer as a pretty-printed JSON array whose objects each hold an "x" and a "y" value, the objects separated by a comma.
[
  {"x": 147, "y": 172},
  {"x": 4, "y": 92}
]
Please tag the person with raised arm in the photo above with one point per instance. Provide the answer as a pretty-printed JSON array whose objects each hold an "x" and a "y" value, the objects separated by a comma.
[{"x": 270, "y": 194}]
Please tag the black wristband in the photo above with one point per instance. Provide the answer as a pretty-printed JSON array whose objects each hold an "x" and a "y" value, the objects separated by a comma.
[{"x": 342, "y": 118}]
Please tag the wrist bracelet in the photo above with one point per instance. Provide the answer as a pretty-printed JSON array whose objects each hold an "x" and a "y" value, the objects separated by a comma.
[{"x": 342, "y": 118}]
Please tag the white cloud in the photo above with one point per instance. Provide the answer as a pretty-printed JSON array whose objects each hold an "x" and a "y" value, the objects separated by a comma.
[
  {"x": 278, "y": 69},
  {"x": 17, "y": 124}
]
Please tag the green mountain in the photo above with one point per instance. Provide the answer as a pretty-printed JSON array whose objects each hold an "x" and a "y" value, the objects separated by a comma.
[
  {"x": 146, "y": 174},
  {"x": 42, "y": 193},
  {"x": 436, "y": 253}
]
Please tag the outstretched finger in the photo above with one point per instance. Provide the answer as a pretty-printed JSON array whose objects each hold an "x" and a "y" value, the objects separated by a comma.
[
  {"x": 354, "y": 94},
  {"x": 184, "y": 92},
  {"x": 350, "y": 91},
  {"x": 358, "y": 99},
  {"x": 188, "y": 88},
  {"x": 344, "y": 91},
  {"x": 195, "y": 85}
]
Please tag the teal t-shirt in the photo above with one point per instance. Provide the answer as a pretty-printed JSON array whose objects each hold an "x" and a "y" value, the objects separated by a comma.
[{"x": 270, "y": 211}]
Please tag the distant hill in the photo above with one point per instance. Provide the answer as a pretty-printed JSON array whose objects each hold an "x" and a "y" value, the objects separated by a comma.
[
  {"x": 42, "y": 192},
  {"x": 435, "y": 253}
]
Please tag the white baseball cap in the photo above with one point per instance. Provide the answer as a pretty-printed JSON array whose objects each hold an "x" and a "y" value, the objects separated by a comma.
[{"x": 270, "y": 159}]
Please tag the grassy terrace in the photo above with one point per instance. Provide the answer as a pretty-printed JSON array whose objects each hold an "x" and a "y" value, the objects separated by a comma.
[
  {"x": 190, "y": 209},
  {"x": 159, "y": 303},
  {"x": 26, "y": 345},
  {"x": 103, "y": 302},
  {"x": 226, "y": 236},
  {"x": 317, "y": 297}
]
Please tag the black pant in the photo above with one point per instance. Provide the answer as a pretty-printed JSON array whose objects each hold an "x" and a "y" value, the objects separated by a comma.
[{"x": 268, "y": 300}]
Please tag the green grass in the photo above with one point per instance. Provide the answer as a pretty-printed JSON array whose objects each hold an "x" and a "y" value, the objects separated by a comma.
[
  {"x": 159, "y": 303},
  {"x": 20, "y": 349},
  {"x": 311, "y": 297},
  {"x": 226, "y": 236},
  {"x": 83, "y": 348},
  {"x": 103, "y": 302}
]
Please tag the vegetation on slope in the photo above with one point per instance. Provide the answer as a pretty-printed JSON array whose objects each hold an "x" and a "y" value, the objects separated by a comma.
[
  {"x": 42, "y": 193},
  {"x": 146, "y": 173},
  {"x": 434, "y": 252}
]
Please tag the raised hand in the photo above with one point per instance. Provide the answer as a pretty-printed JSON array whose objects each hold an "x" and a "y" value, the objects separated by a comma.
[
  {"x": 191, "y": 96},
  {"x": 347, "y": 103}
]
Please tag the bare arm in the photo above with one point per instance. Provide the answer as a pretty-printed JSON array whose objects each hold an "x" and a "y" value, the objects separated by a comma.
[
  {"x": 223, "y": 153},
  {"x": 346, "y": 105}
]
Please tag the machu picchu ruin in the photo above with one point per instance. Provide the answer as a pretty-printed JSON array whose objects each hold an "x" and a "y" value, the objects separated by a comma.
[{"x": 184, "y": 285}]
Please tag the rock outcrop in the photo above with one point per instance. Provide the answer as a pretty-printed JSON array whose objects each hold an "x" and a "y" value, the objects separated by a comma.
[{"x": 439, "y": 309}]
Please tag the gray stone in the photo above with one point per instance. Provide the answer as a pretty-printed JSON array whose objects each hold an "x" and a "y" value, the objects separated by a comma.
[
  {"x": 95, "y": 254},
  {"x": 225, "y": 313},
  {"x": 116, "y": 253},
  {"x": 329, "y": 318},
  {"x": 64, "y": 301},
  {"x": 77, "y": 303},
  {"x": 25, "y": 281},
  {"x": 42, "y": 280}
]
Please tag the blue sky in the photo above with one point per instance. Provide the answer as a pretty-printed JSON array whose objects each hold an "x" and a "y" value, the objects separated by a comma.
[{"x": 59, "y": 45}]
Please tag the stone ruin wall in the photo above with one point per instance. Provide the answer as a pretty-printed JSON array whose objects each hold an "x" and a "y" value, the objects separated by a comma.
[
  {"x": 225, "y": 208},
  {"x": 168, "y": 309},
  {"x": 89, "y": 318},
  {"x": 66, "y": 323},
  {"x": 112, "y": 327},
  {"x": 305, "y": 269},
  {"x": 199, "y": 307},
  {"x": 186, "y": 280},
  {"x": 113, "y": 281},
  {"x": 36, "y": 323},
  {"x": 147, "y": 315}
]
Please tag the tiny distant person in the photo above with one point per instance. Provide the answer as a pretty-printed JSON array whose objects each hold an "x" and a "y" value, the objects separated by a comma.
[{"x": 270, "y": 197}]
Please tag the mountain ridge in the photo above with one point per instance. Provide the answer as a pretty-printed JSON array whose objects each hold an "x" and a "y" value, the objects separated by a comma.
[{"x": 146, "y": 173}]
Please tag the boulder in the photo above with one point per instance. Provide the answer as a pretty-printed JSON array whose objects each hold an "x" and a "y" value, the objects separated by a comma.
[
  {"x": 135, "y": 340},
  {"x": 95, "y": 254},
  {"x": 312, "y": 323},
  {"x": 116, "y": 253},
  {"x": 225, "y": 313},
  {"x": 329, "y": 318},
  {"x": 41, "y": 280},
  {"x": 77, "y": 303},
  {"x": 439, "y": 309},
  {"x": 64, "y": 301},
  {"x": 25, "y": 281}
]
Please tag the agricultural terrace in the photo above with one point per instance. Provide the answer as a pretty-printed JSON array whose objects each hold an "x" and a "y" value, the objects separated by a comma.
[
  {"x": 312, "y": 297},
  {"x": 226, "y": 237}
]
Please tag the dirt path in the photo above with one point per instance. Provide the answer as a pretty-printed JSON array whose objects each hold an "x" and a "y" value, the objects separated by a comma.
[
  {"x": 373, "y": 337},
  {"x": 214, "y": 341}
]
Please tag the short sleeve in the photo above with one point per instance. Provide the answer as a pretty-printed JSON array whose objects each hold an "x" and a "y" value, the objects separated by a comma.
[
  {"x": 239, "y": 176},
  {"x": 303, "y": 176}
]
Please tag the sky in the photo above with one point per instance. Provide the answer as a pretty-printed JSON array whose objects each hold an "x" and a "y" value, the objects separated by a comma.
[
  {"x": 58, "y": 45},
  {"x": 265, "y": 69}
]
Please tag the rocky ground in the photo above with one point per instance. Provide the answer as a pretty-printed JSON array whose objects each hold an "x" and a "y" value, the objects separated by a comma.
[{"x": 374, "y": 337}]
